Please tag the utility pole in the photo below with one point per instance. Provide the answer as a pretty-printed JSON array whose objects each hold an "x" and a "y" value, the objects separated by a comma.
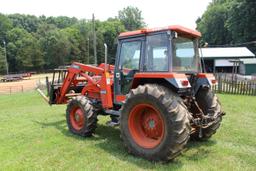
[
  {"x": 94, "y": 40},
  {"x": 6, "y": 62},
  {"x": 88, "y": 45}
]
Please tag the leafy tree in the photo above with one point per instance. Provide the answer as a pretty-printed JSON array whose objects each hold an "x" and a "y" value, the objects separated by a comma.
[
  {"x": 229, "y": 22},
  {"x": 212, "y": 24},
  {"x": 62, "y": 21},
  {"x": 56, "y": 48},
  {"x": 84, "y": 40},
  {"x": 27, "y": 22},
  {"x": 35, "y": 43},
  {"x": 2, "y": 61},
  {"x": 110, "y": 29},
  {"x": 14, "y": 37},
  {"x": 31, "y": 54},
  {"x": 24, "y": 51},
  {"x": 43, "y": 29},
  {"x": 241, "y": 22},
  {"x": 131, "y": 17},
  {"x": 11, "y": 51},
  {"x": 73, "y": 36},
  {"x": 5, "y": 25}
]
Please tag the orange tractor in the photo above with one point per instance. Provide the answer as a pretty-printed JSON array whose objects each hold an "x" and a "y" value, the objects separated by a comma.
[{"x": 156, "y": 92}]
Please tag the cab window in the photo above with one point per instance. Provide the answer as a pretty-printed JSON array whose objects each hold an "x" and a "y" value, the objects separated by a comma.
[
  {"x": 157, "y": 53},
  {"x": 130, "y": 55}
]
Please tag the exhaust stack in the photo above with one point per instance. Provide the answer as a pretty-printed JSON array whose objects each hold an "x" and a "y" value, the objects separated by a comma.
[{"x": 106, "y": 55}]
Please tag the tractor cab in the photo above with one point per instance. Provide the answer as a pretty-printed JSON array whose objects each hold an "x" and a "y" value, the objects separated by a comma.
[{"x": 161, "y": 51}]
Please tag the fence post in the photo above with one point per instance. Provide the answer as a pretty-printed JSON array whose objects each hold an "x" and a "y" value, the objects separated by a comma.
[
  {"x": 219, "y": 84},
  {"x": 243, "y": 92},
  {"x": 254, "y": 89},
  {"x": 22, "y": 88},
  {"x": 238, "y": 87},
  {"x": 229, "y": 86},
  {"x": 225, "y": 86},
  {"x": 241, "y": 87},
  {"x": 247, "y": 89},
  {"x": 47, "y": 85},
  {"x": 235, "y": 87},
  {"x": 232, "y": 87},
  {"x": 251, "y": 93}
]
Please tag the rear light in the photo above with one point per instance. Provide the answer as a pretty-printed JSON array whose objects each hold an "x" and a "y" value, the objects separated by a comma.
[
  {"x": 184, "y": 83},
  {"x": 214, "y": 81}
]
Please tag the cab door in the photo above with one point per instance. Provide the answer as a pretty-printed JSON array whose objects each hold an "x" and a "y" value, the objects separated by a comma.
[{"x": 128, "y": 63}]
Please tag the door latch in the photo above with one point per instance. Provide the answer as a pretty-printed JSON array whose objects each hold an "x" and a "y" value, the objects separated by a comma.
[{"x": 117, "y": 75}]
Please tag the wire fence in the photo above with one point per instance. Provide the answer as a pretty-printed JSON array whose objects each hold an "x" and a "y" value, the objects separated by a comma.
[
  {"x": 21, "y": 87},
  {"x": 11, "y": 89},
  {"x": 230, "y": 86}
]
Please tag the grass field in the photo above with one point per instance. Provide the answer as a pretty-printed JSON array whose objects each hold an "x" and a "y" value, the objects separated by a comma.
[{"x": 34, "y": 136}]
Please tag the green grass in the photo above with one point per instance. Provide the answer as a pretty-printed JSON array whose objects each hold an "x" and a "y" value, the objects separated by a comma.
[{"x": 34, "y": 136}]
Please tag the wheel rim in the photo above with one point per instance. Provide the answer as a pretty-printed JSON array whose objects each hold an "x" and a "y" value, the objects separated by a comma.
[
  {"x": 77, "y": 118},
  {"x": 146, "y": 126}
]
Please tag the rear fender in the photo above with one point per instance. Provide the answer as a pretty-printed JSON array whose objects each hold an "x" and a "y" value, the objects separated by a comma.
[
  {"x": 205, "y": 80},
  {"x": 179, "y": 81}
]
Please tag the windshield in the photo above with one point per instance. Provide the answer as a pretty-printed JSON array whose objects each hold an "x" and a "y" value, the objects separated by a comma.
[
  {"x": 156, "y": 52},
  {"x": 184, "y": 55}
]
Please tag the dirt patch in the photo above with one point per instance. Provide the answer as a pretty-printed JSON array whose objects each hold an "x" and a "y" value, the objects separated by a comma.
[{"x": 26, "y": 84}]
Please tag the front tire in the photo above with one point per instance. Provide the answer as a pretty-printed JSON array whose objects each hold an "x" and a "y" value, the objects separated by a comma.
[
  {"x": 81, "y": 116},
  {"x": 154, "y": 123}
]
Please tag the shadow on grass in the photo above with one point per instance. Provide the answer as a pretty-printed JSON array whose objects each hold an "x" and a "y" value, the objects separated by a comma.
[
  {"x": 111, "y": 143},
  {"x": 60, "y": 125},
  {"x": 198, "y": 150}
]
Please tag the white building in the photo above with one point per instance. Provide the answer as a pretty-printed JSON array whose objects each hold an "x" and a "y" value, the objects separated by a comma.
[{"x": 218, "y": 59}]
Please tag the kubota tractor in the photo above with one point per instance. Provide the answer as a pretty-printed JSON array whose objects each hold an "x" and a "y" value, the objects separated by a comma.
[{"x": 156, "y": 92}]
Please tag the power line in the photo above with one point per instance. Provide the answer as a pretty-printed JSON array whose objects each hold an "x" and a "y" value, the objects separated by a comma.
[{"x": 236, "y": 44}]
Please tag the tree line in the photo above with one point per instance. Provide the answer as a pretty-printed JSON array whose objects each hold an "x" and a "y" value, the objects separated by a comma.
[
  {"x": 40, "y": 43},
  {"x": 229, "y": 23}
]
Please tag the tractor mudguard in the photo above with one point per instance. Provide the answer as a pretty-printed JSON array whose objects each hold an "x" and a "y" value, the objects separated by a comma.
[
  {"x": 204, "y": 80},
  {"x": 179, "y": 81}
]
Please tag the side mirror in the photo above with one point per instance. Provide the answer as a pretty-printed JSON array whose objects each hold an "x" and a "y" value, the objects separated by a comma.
[{"x": 174, "y": 35}]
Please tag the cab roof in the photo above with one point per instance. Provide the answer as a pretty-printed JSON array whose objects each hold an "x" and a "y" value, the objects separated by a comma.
[{"x": 183, "y": 31}]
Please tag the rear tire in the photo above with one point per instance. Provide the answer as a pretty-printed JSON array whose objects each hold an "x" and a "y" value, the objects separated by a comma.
[
  {"x": 81, "y": 116},
  {"x": 154, "y": 123},
  {"x": 209, "y": 103}
]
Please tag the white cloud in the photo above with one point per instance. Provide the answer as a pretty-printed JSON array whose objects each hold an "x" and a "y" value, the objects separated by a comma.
[{"x": 156, "y": 12}]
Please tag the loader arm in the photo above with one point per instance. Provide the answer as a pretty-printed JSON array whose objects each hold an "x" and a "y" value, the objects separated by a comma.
[{"x": 100, "y": 87}]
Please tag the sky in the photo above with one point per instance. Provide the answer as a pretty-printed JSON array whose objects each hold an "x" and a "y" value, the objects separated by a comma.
[{"x": 156, "y": 13}]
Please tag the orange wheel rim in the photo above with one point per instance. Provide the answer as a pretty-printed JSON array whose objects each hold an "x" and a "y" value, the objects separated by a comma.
[
  {"x": 77, "y": 118},
  {"x": 146, "y": 125}
]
